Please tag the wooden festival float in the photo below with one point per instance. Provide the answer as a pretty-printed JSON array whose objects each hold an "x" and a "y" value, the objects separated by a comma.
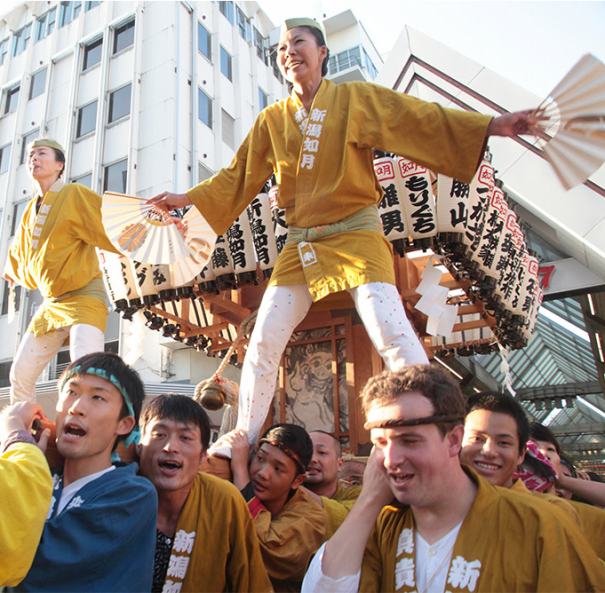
[{"x": 468, "y": 282}]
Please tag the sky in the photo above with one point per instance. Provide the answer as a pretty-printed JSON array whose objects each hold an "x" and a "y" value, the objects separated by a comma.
[{"x": 534, "y": 44}]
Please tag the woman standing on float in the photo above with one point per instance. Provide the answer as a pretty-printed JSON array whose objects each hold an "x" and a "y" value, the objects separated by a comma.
[
  {"x": 54, "y": 251},
  {"x": 319, "y": 143}
]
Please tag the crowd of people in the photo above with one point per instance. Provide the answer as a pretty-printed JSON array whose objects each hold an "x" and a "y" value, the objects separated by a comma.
[
  {"x": 457, "y": 494},
  {"x": 448, "y": 500}
]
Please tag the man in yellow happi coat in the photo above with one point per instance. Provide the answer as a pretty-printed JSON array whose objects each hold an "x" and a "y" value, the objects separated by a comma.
[
  {"x": 289, "y": 525},
  {"x": 205, "y": 537},
  {"x": 319, "y": 144},
  {"x": 447, "y": 529},
  {"x": 54, "y": 251},
  {"x": 322, "y": 480},
  {"x": 496, "y": 432}
]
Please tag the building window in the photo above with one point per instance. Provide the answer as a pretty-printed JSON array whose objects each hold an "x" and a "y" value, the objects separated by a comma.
[
  {"x": 21, "y": 39},
  {"x": 37, "y": 83},
  {"x": 243, "y": 24},
  {"x": 203, "y": 173},
  {"x": 226, "y": 9},
  {"x": 263, "y": 99},
  {"x": 123, "y": 37},
  {"x": 18, "y": 210},
  {"x": 276, "y": 71},
  {"x": 261, "y": 44},
  {"x": 373, "y": 72},
  {"x": 226, "y": 64},
  {"x": 12, "y": 99},
  {"x": 119, "y": 103},
  {"x": 115, "y": 177},
  {"x": 92, "y": 53},
  {"x": 204, "y": 41},
  {"x": 69, "y": 12},
  {"x": 91, "y": 4},
  {"x": 5, "y": 300},
  {"x": 204, "y": 107},
  {"x": 46, "y": 24},
  {"x": 228, "y": 129},
  {"x": 5, "y": 156},
  {"x": 25, "y": 142},
  {"x": 5, "y": 367},
  {"x": 87, "y": 119},
  {"x": 84, "y": 180},
  {"x": 3, "y": 50}
]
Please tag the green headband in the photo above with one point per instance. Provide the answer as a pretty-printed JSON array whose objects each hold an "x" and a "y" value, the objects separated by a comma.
[
  {"x": 301, "y": 22},
  {"x": 133, "y": 437},
  {"x": 47, "y": 142}
]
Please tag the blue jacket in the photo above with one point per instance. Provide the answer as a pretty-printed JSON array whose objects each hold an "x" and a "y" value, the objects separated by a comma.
[{"x": 104, "y": 540}]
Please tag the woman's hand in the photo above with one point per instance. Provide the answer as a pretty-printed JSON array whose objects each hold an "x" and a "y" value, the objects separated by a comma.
[
  {"x": 168, "y": 201},
  {"x": 512, "y": 124}
]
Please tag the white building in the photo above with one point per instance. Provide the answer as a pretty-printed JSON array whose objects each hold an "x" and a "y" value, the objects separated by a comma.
[{"x": 144, "y": 97}]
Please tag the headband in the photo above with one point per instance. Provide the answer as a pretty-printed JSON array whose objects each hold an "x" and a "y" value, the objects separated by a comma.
[
  {"x": 287, "y": 451},
  {"x": 47, "y": 142},
  {"x": 300, "y": 22},
  {"x": 399, "y": 422},
  {"x": 132, "y": 438},
  {"x": 533, "y": 481}
]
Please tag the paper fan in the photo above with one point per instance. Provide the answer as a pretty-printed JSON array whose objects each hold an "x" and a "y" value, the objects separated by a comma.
[
  {"x": 143, "y": 232},
  {"x": 571, "y": 122},
  {"x": 199, "y": 239}
]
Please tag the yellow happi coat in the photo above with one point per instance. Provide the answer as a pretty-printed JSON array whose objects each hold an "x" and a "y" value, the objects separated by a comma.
[
  {"x": 507, "y": 542},
  {"x": 323, "y": 164},
  {"x": 289, "y": 539},
  {"x": 561, "y": 503},
  {"x": 338, "y": 507},
  {"x": 54, "y": 251},
  {"x": 25, "y": 491},
  {"x": 215, "y": 546}
]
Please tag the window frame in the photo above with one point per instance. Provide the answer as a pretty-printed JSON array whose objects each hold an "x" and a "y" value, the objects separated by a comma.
[
  {"x": 91, "y": 45},
  {"x": 80, "y": 177},
  {"x": 32, "y": 79},
  {"x": 209, "y": 42},
  {"x": 110, "y": 100},
  {"x": 79, "y": 120},
  {"x": 5, "y": 160},
  {"x": 17, "y": 37},
  {"x": 210, "y": 103},
  {"x": 265, "y": 99},
  {"x": 229, "y": 10},
  {"x": 43, "y": 23},
  {"x": 69, "y": 12},
  {"x": 106, "y": 170},
  {"x": 9, "y": 93},
  {"x": 4, "y": 47},
  {"x": 117, "y": 31},
  {"x": 224, "y": 52},
  {"x": 25, "y": 140}
]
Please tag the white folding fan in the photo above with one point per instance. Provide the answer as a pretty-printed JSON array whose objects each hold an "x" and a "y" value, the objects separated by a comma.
[
  {"x": 145, "y": 233},
  {"x": 571, "y": 123}
]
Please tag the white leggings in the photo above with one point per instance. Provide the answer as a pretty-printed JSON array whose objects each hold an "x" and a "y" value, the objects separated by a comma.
[
  {"x": 36, "y": 352},
  {"x": 282, "y": 309}
]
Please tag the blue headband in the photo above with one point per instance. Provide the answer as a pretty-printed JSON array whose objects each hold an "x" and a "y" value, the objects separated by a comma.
[{"x": 133, "y": 437}]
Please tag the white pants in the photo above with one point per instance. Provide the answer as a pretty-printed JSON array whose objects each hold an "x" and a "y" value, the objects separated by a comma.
[
  {"x": 282, "y": 309},
  {"x": 36, "y": 352}
]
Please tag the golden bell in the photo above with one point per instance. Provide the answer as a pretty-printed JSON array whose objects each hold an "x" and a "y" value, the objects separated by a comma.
[{"x": 212, "y": 396}]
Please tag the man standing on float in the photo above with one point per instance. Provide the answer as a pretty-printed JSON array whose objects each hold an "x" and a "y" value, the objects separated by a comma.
[{"x": 318, "y": 142}]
